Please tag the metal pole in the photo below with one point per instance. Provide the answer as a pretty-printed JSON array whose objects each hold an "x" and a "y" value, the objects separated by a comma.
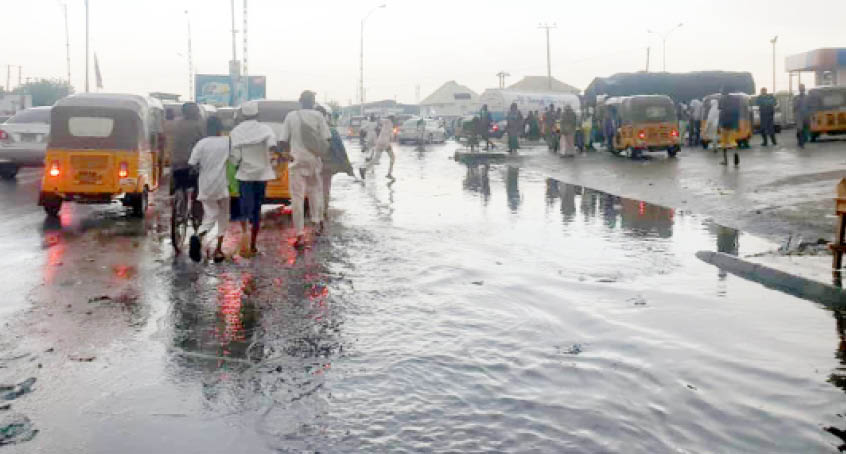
[
  {"x": 548, "y": 54},
  {"x": 773, "y": 41},
  {"x": 19, "y": 74},
  {"x": 664, "y": 54},
  {"x": 8, "y": 77},
  {"x": 548, "y": 61},
  {"x": 647, "y": 58},
  {"x": 244, "y": 37},
  {"x": 67, "y": 42},
  {"x": 190, "y": 61},
  {"x": 86, "y": 47},
  {"x": 234, "y": 55},
  {"x": 361, "y": 69}
]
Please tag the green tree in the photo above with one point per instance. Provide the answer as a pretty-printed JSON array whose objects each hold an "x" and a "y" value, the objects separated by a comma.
[{"x": 45, "y": 92}]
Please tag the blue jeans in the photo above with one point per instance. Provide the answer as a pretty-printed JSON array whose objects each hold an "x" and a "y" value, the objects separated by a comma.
[{"x": 252, "y": 197}]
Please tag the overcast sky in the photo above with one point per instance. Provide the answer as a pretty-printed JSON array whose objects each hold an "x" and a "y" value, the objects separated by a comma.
[{"x": 142, "y": 45}]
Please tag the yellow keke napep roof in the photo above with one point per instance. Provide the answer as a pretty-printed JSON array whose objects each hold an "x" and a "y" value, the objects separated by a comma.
[{"x": 100, "y": 121}]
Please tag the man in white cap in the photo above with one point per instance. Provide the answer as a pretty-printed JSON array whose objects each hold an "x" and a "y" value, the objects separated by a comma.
[
  {"x": 306, "y": 135},
  {"x": 252, "y": 145}
]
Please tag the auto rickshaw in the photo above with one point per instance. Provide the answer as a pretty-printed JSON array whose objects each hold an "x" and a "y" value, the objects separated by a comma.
[
  {"x": 102, "y": 147},
  {"x": 646, "y": 123},
  {"x": 828, "y": 111},
  {"x": 273, "y": 113},
  {"x": 744, "y": 130}
]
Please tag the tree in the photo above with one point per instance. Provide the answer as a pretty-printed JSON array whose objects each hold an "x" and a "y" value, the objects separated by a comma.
[{"x": 45, "y": 92}]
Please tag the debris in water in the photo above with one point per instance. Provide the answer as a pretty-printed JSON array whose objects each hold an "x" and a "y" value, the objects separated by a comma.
[
  {"x": 638, "y": 300},
  {"x": 20, "y": 389},
  {"x": 478, "y": 282},
  {"x": 16, "y": 428},
  {"x": 574, "y": 349},
  {"x": 98, "y": 299},
  {"x": 5, "y": 407},
  {"x": 689, "y": 386},
  {"x": 82, "y": 359}
]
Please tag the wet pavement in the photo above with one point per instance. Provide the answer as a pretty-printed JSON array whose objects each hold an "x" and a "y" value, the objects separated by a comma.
[{"x": 460, "y": 308}]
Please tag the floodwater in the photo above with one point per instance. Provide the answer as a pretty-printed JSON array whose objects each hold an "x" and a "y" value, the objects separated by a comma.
[{"x": 459, "y": 308}]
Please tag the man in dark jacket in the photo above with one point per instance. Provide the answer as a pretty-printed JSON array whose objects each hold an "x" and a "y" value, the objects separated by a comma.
[{"x": 766, "y": 112}]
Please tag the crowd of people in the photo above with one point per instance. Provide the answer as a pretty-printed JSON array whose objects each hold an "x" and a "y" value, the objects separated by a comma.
[{"x": 231, "y": 173}]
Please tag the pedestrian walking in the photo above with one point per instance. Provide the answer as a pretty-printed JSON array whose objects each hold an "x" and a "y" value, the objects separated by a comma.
[
  {"x": 336, "y": 162},
  {"x": 609, "y": 128},
  {"x": 368, "y": 142},
  {"x": 712, "y": 124},
  {"x": 549, "y": 127},
  {"x": 569, "y": 124},
  {"x": 252, "y": 145},
  {"x": 534, "y": 126},
  {"x": 696, "y": 113},
  {"x": 383, "y": 144},
  {"x": 485, "y": 121},
  {"x": 766, "y": 113},
  {"x": 801, "y": 110},
  {"x": 306, "y": 136},
  {"x": 210, "y": 157},
  {"x": 514, "y": 128}
]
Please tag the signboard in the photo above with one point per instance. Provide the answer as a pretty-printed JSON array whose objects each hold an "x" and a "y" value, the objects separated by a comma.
[{"x": 218, "y": 89}]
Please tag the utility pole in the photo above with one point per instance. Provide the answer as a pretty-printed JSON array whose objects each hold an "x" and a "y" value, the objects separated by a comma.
[
  {"x": 664, "y": 43},
  {"x": 234, "y": 55},
  {"x": 86, "y": 46},
  {"x": 8, "y": 74},
  {"x": 244, "y": 55},
  {"x": 502, "y": 75},
  {"x": 647, "y": 58},
  {"x": 548, "y": 55},
  {"x": 773, "y": 42},
  {"x": 19, "y": 75},
  {"x": 67, "y": 42},
  {"x": 190, "y": 61}
]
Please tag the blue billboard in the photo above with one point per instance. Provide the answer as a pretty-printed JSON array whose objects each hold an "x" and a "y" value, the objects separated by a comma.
[{"x": 218, "y": 89}]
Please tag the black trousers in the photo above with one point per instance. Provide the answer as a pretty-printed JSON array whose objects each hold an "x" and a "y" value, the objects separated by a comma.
[{"x": 768, "y": 130}]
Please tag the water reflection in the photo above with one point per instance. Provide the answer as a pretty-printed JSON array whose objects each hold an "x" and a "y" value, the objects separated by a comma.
[
  {"x": 512, "y": 187},
  {"x": 477, "y": 180},
  {"x": 838, "y": 376}
]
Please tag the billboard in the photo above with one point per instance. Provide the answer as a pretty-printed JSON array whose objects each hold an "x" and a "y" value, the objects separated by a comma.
[{"x": 218, "y": 89}]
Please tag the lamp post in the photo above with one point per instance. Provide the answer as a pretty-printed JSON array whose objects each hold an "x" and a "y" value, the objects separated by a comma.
[
  {"x": 547, "y": 27},
  {"x": 87, "y": 52},
  {"x": 773, "y": 42},
  {"x": 361, "y": 67},
  {"x": 664, "y": 43}
]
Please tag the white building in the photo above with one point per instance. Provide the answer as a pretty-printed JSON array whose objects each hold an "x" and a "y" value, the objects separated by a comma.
[
  {"x": 451, "y": 99},
  {"x": 10, "y": 104}
]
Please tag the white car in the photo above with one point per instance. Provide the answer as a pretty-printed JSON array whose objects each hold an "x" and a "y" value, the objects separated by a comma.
[
  {"x": 417, "y": 130},
  {"x": 23, "y": 140}
]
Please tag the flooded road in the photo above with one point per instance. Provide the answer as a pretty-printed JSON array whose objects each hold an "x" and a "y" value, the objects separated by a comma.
[{"x": 459, "y": 308}]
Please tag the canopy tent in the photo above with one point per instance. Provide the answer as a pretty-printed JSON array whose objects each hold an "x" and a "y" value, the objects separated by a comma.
[{"x": 681, "y": 87}]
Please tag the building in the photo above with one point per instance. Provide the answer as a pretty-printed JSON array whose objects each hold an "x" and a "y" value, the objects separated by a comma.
[
  {"x": 828, "y": 66},
  {"x": 541, "y": 84},
  {"x": 451, "y": 99},
  {"x": 382, "y": 108}
]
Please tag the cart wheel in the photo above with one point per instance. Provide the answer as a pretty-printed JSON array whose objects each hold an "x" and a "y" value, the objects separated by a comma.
[
  {"x": 672, "y": 152},
  {"x": 52, "y": 205}
]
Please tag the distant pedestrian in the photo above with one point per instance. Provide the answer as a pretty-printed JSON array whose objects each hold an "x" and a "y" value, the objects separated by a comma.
[
  {"x": 534, "y": 126},
  {"x": 368, "y": 144},
  {"x": 485, "y": 121},
  {"x": 514, "y": 128},
  {"x": 383, "y": 144},
  {"x": 801, "y": 110},
  {"x": 252, "y": 145},
  {"x": 210, "y": 157},
  {"x": 305, "y": 134},
  {"x": 569, "y": 124},
  {"x": 712, "y": 124},
  {"x": 696, "y": 114},
  {"x": 609, "y": 128},
  {"x": 766, "y": 113}
]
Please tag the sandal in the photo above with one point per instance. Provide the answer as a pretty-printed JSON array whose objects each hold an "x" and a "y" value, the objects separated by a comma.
[{"x": 218, "y": 257}]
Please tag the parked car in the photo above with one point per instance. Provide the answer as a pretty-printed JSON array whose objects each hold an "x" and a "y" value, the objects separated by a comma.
[
  {"x": 429, "y": 131},
  {"x": 23, "y": 140}
]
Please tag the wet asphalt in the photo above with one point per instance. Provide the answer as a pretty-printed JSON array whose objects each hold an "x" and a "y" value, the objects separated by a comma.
[{"x": 477, "y": 308}]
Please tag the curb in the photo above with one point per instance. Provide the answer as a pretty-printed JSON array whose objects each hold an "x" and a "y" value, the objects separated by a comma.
[{"x": 828, "y": 295}]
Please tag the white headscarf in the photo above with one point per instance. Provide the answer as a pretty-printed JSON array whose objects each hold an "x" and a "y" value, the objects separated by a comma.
[{"x": 713, "y": 123}]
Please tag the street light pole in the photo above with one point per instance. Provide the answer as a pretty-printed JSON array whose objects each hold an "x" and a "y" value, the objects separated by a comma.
[
  {"x": 664, "y": 44},
  {"x": 361, "y": 56},
  {"x": 86, "y": 46},
  {"x": 773, "y": 42},
  {"x": 190, "y": 61},
  {"x": 548, "y": 55}
]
